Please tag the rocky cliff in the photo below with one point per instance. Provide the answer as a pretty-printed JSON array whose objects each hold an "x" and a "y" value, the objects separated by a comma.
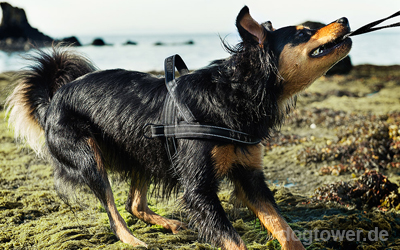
[{"x": 16, "y": 33}]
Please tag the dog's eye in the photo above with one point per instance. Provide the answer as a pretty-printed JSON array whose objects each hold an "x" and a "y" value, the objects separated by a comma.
[{"x": 300, "y": 33}]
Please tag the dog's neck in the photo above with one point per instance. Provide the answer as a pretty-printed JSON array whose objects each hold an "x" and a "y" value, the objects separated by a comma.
[{"x": 245, "y": 95}]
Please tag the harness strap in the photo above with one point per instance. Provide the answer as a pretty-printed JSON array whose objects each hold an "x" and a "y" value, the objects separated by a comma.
[
  {"x": 172, "y": 129},
  {"x": 169, "y": 66},
  {"x": 171, "y": 105},
  {"x": 201, "y": 131}
]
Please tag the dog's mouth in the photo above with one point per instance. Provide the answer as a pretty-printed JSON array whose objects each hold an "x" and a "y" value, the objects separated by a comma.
[{"x": 327, "y": 48}]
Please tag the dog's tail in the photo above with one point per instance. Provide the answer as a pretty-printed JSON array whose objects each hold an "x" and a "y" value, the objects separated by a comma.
[{"x": 35, "y": 87}]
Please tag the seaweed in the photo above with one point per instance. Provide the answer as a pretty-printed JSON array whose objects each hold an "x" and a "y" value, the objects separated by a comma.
[
  {"x": 339, "y": 151},
  {"x": 362, "y": 143},
  {"x": 372, "y": 189}
]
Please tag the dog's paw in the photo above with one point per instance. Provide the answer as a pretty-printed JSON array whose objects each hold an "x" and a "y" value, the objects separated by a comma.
[
  {"x": 175, "y": 226},
  {"x": 132, "y": 240}
]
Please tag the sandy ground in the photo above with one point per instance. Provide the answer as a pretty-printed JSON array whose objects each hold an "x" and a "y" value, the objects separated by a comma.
[{"x": 312, "y": 150}]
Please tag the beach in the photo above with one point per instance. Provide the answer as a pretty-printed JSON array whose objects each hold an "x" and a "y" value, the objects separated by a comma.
[{"x": 342, "y": 138}]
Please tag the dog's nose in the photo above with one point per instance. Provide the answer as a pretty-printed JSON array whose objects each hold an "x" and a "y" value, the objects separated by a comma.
[{"x": 343, "y": 20}]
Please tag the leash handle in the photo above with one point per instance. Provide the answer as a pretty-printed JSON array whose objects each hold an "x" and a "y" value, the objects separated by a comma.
[
  {"x": 169, "y": 111},
  {"x": 172, "y": 62},
  {"x": 369, "y": 27}
]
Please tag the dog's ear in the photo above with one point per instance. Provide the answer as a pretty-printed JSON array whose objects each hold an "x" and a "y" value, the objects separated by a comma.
[
  {"x": 268, "y": 26},
  {"x": 249, "y": 29}
]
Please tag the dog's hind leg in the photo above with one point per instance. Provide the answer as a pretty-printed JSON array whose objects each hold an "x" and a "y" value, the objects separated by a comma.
[
  {"x": 137, "y": 206},
  {"x": 107, "y": 199},
  {"x": 250, "y": 187},
  {"x": 77, "y": 158}
]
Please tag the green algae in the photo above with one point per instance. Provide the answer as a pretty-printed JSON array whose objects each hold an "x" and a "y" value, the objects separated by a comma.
[
  {"x": 364, "y": 224},
  {"x": 33, "y": 216}
]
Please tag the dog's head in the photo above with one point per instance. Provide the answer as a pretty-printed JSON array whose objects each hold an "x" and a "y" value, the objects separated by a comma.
[{"x": 302, "y": 54}]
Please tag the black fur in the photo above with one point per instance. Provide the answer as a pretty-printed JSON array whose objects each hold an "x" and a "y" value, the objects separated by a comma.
[{"x": 73, "y": 104}]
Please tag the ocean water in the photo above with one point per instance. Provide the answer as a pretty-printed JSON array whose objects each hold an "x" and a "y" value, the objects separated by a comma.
[{"x": 379, "y": 48}]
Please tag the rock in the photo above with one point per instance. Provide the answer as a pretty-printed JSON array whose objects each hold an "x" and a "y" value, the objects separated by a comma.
[
  {"x": 341, "y": 68},
  {"x": 71, "y": 41},
  {"x": 159, "y": 44},
  {"x": 129, "y": 42},
  {"x": 98, "y": 42},
  {"x": 190, "y": 42},
  {"x": 16, "y": 33}
]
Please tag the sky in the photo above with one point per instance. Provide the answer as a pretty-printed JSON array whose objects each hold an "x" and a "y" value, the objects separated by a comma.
[{"x": 62, "y": 18}]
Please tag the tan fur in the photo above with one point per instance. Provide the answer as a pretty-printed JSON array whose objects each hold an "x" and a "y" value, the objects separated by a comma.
[
  {"x": 97, "y": 155},
  {"x": 296, "y": 66},
  {"x": 141, "y": 210},
  {"x": 228, "y": 244},
  {"x": 226, "y": 156},
  {"x": 272, "y": 221},
  {"x": 275, "y": 224},
  {"x": 121, "y": 229},
  {"x": 26, "y": 128}
]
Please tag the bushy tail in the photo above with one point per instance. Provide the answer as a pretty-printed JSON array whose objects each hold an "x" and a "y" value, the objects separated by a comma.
[{"x": 35, "y": 88}]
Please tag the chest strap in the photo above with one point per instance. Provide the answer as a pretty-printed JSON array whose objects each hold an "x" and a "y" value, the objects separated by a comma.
[
  {"x": 195, "y": 130},
  {"x": 173, "y": 127}
]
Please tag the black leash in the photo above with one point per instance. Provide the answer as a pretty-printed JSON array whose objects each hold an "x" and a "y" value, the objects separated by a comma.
[
  {"x": 172, "y": 128},
  {"x": 369, "y": 27}
]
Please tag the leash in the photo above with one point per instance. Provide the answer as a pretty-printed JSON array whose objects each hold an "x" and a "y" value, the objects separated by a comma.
[
  {"x": 370, "y": 27},
  {"x": 173, "y": 127}
]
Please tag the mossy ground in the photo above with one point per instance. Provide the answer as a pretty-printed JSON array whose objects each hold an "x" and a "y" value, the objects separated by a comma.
[{"x": 32, "y": 215}]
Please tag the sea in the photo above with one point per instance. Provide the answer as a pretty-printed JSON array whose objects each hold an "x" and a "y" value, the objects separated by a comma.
[{"x": 197, "y": 50}]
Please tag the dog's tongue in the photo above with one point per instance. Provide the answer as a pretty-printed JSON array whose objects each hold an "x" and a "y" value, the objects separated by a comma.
[{"x": 370, "y": 27}]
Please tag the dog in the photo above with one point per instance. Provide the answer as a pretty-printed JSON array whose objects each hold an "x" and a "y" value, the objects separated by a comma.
[{"x": 90, "y": 122}]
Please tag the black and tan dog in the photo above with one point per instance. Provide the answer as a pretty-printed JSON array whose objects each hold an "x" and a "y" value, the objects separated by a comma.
[{"x": 92, "y": 123}]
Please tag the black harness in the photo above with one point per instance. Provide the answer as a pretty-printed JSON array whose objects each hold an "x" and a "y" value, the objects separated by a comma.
[{"x": 185, "y": 126}]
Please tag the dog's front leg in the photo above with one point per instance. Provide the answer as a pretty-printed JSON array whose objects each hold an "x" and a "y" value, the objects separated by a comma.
[
  {"x": 206, "y": 212},
  {"x": 198, "y": 178},
  {"x": 250, "y": 187}
]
